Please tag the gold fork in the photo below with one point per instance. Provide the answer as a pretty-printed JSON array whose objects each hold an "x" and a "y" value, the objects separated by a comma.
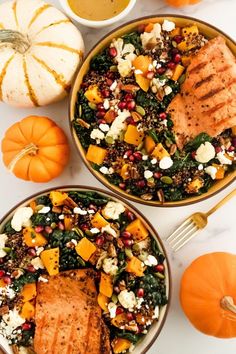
[{"x": 189, "y": 228}]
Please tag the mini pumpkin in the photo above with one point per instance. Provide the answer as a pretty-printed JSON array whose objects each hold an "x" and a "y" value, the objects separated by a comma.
[
  {"x": 208, "y": 294},
  {"x": 35, "y": 149},
  {"x": 179, "y": 3},
  {"x": 40, "y": 51}
]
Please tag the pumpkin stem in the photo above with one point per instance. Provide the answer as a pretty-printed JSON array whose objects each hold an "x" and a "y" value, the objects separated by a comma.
[
  {"x": 18, "y": 41},
  {"x": 30, "y": 149},
  {"x": 227, "y": 303}
]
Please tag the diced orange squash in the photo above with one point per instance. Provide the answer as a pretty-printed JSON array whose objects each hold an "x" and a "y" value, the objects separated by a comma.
[
  {"x": 176, "y": 32},
  {"x": 133, "y": 136},
  {"x": 234, "y": 130},
  {"x": 33, "y": 205},
  {"x": 50, "y": 259},
  {"x": 96, "y": 154},
  {"x": 120, "y": 320},
  {"x": 68, "y": 222},
  {"x": 179, "y": 69},
  {"x": 143, "y": 82},
  {"x": 33, "y": 238},
  {"x": 93, "y": 94},
  {"x": 184, "y": 46},
  {"x": 103, "y": 302},
  {"x": 99, "y": 221},
  {"x": 135, "y": 266},
  {"x": 159, "y": 152},
  {"x": 190, "y": 30},
  {"x": 142, "y": 63},
  {"x": 125, "y": 171},
  {"x": 149, "y": 27},
  {"x": 27, "y": 311},
  {"x": 186, "y": 60},
  {"x": 58, "y": 198},
  {"x": 137, "y": 229},
  {"x": 220, "y": 171},
  {"x": 120, "y": 345},
  {"x": 28, "y": 292},
  {"x": 194, "y": 186},
  {"x": 85, "y": 248},
  {"x": 110, "y": 116},
  {"x": 2, "y": 283},
  {"x": 149, "y": 144},
  {"x": 106, "y": 285}
]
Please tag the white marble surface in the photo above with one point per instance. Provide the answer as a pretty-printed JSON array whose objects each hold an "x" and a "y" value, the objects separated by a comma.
[{"x": 178, "y": 336}]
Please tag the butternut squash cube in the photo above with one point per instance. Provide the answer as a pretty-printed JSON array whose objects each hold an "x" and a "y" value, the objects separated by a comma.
[
  {"x": 176, "y": 32},
  {"x": 28, "y": 292},
  {"x": 185, "y": 46},
  {"x": 99, "y": 221},
  {"x": 103, "y": 302},
  {"x": 190, "y": 30},
  {"x": 68, "y": 222},
  {"x": 143, "y": 82},
  {"x": 33, "y": 238},
  {"x": 135, "y": 266},
  {"x": 85, "y": 248},
  {"x": 110, "y": 116},
  {"x": 2, "y": 283},
  {"x": 120, "y": 345},
  {"x": 194, "y": 186},
  {"x": 149, "y": 27},
  {"x": 220, "y": 171},
  {"x": 125, "y": 171},
  {"x": 106, "y": 285},
  {"x": 58, "y": 198},
  {"x": 27, "y": 310},
  {"x": 179, "y": 69},
  {"x": 186, "y": 60},
  {"x": 137, "y": 229},
  {"x": 50, "y": 259},
  {"x": 120, "y": 320},
  {"x": 96, "y": 154},
  {"x": 142, "y": 63},
  {"x": 149, "y": 144},
  {"x": 133, "y": 136},
  {"x": 159, "y": 152},
  {"x": 93, "y": 94}
]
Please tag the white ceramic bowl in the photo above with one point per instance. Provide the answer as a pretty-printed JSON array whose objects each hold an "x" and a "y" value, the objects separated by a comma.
[{"x": 96, "y": 24}]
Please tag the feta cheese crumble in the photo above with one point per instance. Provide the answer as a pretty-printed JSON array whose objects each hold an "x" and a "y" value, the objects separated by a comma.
[
  {"x": 211, "y": 171},
  {"x": 44, "y": 210},
  {"x": 108, "y": 229},
  {"x": 110, "y": 266},
  {"x": 113, "y": 210},
  {"x": 148, "y": 174},
  {"x": 37, "y": 263},
  {"x": 21, "y": 218},
  {"x": 112, "y": 309},
  {"x": 3, "y": 240},
  {"x": 165, "y": 163},
  {"x": 104, "y": 127},
  {"x": 94, "y": 230},
  {"x": 10, "y": 321},
  {"x": 118, "y": 125},
  {"x": 42, "y": 279},
  {"x": 205, "y": 152},
  {"x": 223, "y": 159},
  {"x": 156, "y": 312},
  {"x": 97, "y": 135},
  {"x": 167, "y": 90},
  {"x": 127, "y": 299},
  {"x": 150, "y": 261},
  {"x": 168, "y": 26},
  {"x": 78, "y": 210}
]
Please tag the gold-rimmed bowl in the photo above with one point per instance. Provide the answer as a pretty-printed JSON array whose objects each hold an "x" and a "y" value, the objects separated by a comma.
[
  {"x": 156, "y": 328},
  {"x": 210, "y": 32}
]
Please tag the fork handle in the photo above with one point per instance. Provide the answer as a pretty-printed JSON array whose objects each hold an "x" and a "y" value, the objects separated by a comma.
[{"x": 222, "y": 202}]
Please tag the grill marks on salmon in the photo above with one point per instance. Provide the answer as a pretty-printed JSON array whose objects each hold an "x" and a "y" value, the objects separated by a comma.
[
  {"x": 68, "y": 317},
  {"x": 207, "y": 100}
]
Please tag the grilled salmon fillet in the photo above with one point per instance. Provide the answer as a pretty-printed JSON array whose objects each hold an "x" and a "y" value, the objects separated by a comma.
[
  {"x": 68, "y": 317},
  {"x": 207, "y": 100}
]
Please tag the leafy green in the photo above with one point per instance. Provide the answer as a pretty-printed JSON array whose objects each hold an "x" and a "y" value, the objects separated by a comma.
[
  {"x": 44, "y": 200},
  {"x": 88, "y": 198},
  {"x": 101, "y": 62},
  {"x": 152, "y": 133},
  {"x": 134, "y": 338},
  {"x": 26, "y": 339},
  {"x": 82, "y": 109},
  {"x": 134, "y": 38},
  {"x": 24, "y": 279},
  {"x": 8, "y": 229},
  {"x": 83, "y": 134},
  {"x": 147, "y": 100},
  {"x": 196, "y": 142},
  {"x": 154, "y": 288},
  {"x": 44, "y": 219}
]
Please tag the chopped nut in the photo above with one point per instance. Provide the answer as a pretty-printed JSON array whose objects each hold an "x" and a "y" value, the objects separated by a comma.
[
  {"x": 133, "y": 173},
  {"x": 130, "y": 88},
  {"x": 136, "y": 116},
  {"x": 173, "y": 149},
  {"x": 160, "y": 94},
  {"x": 111, "y": 250},
  {"x": 70, "y": 203},
  {"x": 147, "y": 196},
  {"x": 83, "y": 123},
  {"x": 4, "y": 310},
  {"x": 56, "y": 210},
  {"x": 160, "y": 195}
]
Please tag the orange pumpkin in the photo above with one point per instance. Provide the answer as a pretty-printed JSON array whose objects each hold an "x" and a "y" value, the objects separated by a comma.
[
  {"x": 208, "y": 294},
  {"x": 179, "y": 3},
  {"x": 35, "y": 149}
]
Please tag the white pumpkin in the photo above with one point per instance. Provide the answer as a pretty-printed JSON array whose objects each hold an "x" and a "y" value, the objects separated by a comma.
[{"x": 40, "y": 51}]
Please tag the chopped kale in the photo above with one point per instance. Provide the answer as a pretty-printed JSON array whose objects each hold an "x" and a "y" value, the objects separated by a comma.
[
  {"x": 101, "y": 62},
  {"x": 196, "y": 142}
]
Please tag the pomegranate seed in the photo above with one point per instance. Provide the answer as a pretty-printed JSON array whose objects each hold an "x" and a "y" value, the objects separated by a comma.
[
  {"x": 2, "y": 273},
  {"x": 1, "y": 260},
  {"x": 178, "y": 39},
  {"x": 218, "y": 149},
  {"x": 109, "y": 82},
  {"x": 119, "y": 310},
  {"x": 161, "y": 70},
  {"x": 131, "y": 105},
  {"x": 31, "y": 269},
  {"x": 101, "y": 113},
  {"x": 48, "y": 229},
  {"x": 116, "y": 289},
  {"x": 31, "y": 252},
  {"x": 159, "y": 268},
  {"x": 122, "y": 186},
  {"x": 122, "y": 105},
  {"x": 150, "y": 75},
  {"x": 128, "y": 242},
  {"x": 231, "y": 148},
  {"x": 137, "y": 155},
  {"x": 61, "y": 226},
  {"x": 171, "y": 65},
  {"x": 126, "y": 234},
  {"x": 39, "y": 228},
  {"x": 110, "y": 75},
  {"x": 105, "y": 93},
  {"x": 100, "y": 106},
  {"x": 129, "y": 316},
  {"x": 128, "y": 153},
  {"x": 100, "y": 240},
  {"x": 84, "y": 227},
  {"x": 113, "y": 52},
  {"x": 140, "y": 292},
  {"x": 234, "y": 142},
  {"x": 174, "y": 51},
  {"x": 130, "y": 215},
  {"x": 6, "y": 279},
  {"x": 193, "y": 154},
  {"x": 129, "y": 97},
  {"x": 26, "y": 326},
  {"x": 163, "y": 115},
  {"x": 141, "y": 184},
  {"x": 131, "y": 158},
  {"x": 130, "y": 120},
  {"x": 157, "y": 175},
  {"x": 177, "y": 58},
  {"x": 141, "y": 28}
]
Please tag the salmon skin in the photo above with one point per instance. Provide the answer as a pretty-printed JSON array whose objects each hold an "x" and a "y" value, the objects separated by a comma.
[
  {"x": 207, "y": 100},
  {"x": 68, "y": 318}
]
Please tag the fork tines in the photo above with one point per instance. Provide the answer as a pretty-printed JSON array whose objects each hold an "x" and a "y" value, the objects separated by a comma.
[{"x": 184, "y": 233}]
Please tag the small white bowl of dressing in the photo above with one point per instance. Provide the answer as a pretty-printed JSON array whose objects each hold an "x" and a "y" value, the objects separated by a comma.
[{"x": 97, "y": 13}]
